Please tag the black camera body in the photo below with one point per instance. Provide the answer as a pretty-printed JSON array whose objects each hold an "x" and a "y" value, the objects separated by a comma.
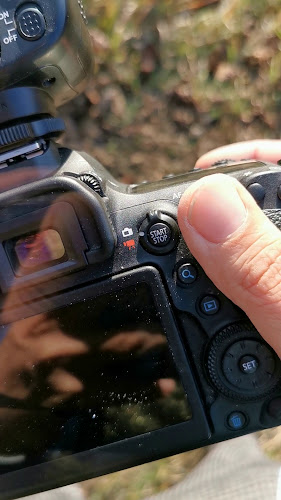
[
  {"x": 116, "y": 348},
  {"x": 45, "y": 45}
]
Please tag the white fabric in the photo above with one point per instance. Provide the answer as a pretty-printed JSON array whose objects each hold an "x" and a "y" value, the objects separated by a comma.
[
  {"x": 72, "y": 492},
  {"x": 278, "y": 489}
]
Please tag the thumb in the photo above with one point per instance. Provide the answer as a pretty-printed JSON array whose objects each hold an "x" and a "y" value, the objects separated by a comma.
[{"x": 238, "y": 247}]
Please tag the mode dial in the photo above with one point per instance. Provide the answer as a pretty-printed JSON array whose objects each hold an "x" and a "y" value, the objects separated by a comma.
[{"x": 241, "y": 365}]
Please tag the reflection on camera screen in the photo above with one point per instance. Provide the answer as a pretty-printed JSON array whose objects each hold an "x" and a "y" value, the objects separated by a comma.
[
  {"x": 90, "y": 374},
  {"x": 39, "y": 248}
]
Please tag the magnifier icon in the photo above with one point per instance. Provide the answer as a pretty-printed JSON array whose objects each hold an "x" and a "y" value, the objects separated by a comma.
[{"x": 187, "y": 274}]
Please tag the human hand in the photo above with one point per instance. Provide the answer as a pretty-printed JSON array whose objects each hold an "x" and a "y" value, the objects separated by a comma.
[
  {"x": 30, "y": 346},
  {"x": 235, "y": 243}
]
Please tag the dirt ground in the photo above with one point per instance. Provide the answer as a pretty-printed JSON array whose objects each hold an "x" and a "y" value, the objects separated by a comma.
[{"x": 173, "y": 80}]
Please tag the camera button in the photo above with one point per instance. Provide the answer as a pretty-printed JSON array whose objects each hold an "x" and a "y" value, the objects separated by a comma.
[
  {"x": 209, "y": 305},
  {"x": 257, "y": 191},
  {"x": 236, "y": 420},
  {"x": 159, "y": 235},
  {"x": 30, "y": 22},
  {"x": 248, "y": 364},
  {"x": 187, "y": 274},
  {"x": 274, "y": 408}
]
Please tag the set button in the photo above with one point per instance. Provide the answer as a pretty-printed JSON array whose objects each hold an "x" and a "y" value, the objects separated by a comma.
[{"x": 248, "y": 364}]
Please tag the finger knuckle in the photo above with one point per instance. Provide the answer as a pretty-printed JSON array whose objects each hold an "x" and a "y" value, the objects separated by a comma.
[{"x": 260, "y": 271}]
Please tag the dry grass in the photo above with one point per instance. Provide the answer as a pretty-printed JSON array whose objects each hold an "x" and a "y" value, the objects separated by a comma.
[
  {"x": 270, "y": 441},
  {"x": 148, "y": 479},
  {"x": 145, "y": 480}
]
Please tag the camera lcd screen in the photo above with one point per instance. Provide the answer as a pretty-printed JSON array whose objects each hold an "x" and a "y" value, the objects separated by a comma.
[{"x": 85, "y": 375}]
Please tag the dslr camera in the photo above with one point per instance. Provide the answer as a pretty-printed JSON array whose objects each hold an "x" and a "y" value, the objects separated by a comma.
[{"x": 115, "y": 347}]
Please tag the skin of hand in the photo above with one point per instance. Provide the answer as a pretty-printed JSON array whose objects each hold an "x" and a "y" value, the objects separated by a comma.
[
  {"x": 140, "y": 342},
  {"x": 235, "y": 243},
  {"x": 35, "y": 342}
]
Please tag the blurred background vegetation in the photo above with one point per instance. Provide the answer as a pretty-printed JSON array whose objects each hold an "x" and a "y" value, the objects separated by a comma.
[{"x": 174, "y": 79}]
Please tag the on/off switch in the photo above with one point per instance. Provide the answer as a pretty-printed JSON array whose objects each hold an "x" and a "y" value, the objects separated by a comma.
[{"x": 30, "y": 22}]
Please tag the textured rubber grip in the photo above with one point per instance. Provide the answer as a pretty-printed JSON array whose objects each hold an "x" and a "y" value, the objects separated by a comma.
[{"x": 274, "y": 214}]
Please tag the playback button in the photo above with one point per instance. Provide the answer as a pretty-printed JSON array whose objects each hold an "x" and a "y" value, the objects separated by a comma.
[
  {"x": 30, "y": 22},
  {"x": 209, "y": 305}
]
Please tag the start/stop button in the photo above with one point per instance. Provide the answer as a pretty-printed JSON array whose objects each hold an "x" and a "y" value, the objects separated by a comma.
[
  {"x": 159, "y": 233},
  {"x": 30, "y": 22}
]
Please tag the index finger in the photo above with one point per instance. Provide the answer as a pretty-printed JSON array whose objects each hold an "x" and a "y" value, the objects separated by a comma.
[{"x": 260, "y": 149}]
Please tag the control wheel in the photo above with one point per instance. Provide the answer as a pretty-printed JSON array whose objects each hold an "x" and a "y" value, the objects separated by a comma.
[{"x": 241, "y": 365}]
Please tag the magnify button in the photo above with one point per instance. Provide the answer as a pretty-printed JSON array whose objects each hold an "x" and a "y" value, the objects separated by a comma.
[{"x": 187, "y": 273}]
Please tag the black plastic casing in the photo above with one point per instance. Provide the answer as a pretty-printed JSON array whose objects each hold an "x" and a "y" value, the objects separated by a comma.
[
  {"x": 104, "y": 226},
  {"x": 112, "y": 264},
  {"x": 59, "y": 62}
]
